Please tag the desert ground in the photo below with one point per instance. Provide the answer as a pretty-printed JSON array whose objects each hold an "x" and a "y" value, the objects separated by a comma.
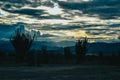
[{"x": 61, "y": 72}]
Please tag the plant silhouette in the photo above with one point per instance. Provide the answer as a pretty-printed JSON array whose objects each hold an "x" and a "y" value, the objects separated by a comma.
[
  {"x": 81, "y": 49},
  {"x": 21, "y": 42}
]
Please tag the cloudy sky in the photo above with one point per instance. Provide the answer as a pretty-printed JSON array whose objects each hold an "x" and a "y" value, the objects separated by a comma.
[{"x": 62, "y": 20}]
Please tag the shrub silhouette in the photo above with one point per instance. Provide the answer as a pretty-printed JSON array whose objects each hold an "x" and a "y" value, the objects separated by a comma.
[
  {"x": 81, "y": 49},
  {"x": 21, "y": 42}
]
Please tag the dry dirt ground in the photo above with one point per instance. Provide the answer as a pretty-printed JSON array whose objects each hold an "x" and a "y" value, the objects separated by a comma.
[{"x": 61, "y": 72}]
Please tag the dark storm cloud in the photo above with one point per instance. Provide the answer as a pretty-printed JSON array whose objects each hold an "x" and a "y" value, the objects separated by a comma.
[
  {"x": 87, "y": 27},
  {"x": 101, "y": 32},
  {"x": 72, "y": 27},
  {"x": 119, "y": 37},
  {"x": 102, "y": 29},
  {"x": 12, "y": 8},
  {"x": 107, "y": 26},
  {"x": 32, "y": 3},
  {"x": 104, "y": 13},
  {"x": 17, "y": 3},
  {"x": 95, "y": 32},
  {"x": 48, "y": 17},
  {"x": 103, "y": 8},
  {"x": 115, "y": 25},
  {"x": 48, "y": 3},
  {"x": 12, "y": 1},
  {"x": 60, "y": 27},
  {"x": 33, "y": 13},
  {"x": 96, "y": 29}
]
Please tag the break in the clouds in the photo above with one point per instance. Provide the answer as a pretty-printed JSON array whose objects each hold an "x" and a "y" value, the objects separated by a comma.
[{"x": 63, "y": 20}]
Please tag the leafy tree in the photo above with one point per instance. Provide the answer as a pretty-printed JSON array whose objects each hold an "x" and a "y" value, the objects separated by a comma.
[
  {"x": 21, "y": 42},
  {"x": 81, "y": 49}
]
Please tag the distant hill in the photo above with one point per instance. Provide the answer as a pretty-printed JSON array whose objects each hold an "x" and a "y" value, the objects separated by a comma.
[
  {"x": 92, "y": 47},
  {"x": 104, "y": 47},
  {"x": 6, "y": 46}
]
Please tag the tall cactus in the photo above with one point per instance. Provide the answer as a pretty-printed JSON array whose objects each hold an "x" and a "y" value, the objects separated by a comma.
[
  {"x": 81, "y": 49},
  {"x": 21, "y": 42}
]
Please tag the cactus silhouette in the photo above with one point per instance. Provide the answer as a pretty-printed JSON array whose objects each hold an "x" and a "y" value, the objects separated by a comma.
[
  {"x": 21, "y": 42},
  {"x": 81, "y": 49}
]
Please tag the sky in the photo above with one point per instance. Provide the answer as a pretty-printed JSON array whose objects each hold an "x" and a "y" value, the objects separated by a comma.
[{"x": 62, "y": 20}]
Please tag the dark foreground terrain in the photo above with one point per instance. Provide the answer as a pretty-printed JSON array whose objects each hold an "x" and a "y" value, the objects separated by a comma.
[{"x": 66, "y": 72}]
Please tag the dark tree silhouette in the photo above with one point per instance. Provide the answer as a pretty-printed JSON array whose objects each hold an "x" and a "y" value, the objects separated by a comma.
[
  {"x": 81, "y": 49},
  {"x": 22, "y": 42}
]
